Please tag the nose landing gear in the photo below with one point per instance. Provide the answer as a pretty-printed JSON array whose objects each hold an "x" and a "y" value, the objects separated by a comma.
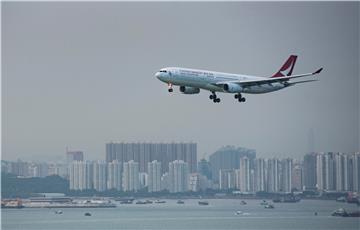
[
  {"x": 214, "y": 98},
  {"x": 170, "y": 89},
  {"x": 239, "y": 97}
]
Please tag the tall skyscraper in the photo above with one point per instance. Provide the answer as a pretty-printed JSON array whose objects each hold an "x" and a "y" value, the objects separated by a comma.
[
  {"x": 99, "y": 176},
  {"x": 273, "y": 176},
  {"x": 320, "y": 171},
  {"x": 260, "y": 175},
  {"x": 81, "y": 175},
  {"x": 242, "y": 175},
  {"x": 340, "y": 171},
  {"x": 154, "y": 176},
  {"x": 330, "y": 176},
  {"x": 310, "y": 171},
  {"x": 227, "y": 179},
  {"x": 114, "y": 175},
  {"x": 286, "y": 174},
  {"x": 178, "y": 176},
  {"x": 147, "y": 152},
  {"x": 296, "y": 180},
  {"x": 131, "y": 176},
  {"x": 356, "y": 171}
]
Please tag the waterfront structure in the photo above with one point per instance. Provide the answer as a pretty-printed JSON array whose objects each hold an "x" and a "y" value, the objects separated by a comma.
[
  {"x": 148, "y": 152},
  {"x": 178, "y": 176},
  {"x": 81, "y": 175},
  {"x": 229, "y": 158},
  {"x": 131, "y": 176},
  {"x": 114, "y": 175},
  {"x": 154, "y": 176},
  {"x": 99, "y": 176}
]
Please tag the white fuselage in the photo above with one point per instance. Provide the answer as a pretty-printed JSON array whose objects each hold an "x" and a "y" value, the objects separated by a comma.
[{"x": 208, "y": 80}]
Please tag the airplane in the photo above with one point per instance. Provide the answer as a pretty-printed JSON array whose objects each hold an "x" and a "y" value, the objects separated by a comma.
[{"x": 192, "y": 80}]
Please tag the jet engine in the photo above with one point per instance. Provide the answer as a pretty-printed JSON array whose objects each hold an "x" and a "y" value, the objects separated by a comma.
[
  {"x": 189, "y": 90},
  {"x": 232, "y": 88}
]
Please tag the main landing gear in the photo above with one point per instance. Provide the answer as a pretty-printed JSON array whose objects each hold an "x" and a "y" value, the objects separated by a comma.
[
  {"x": 239, "y": 97},
  {"x": 214, "y": 98},
  {"x": 170, "y": 88}
]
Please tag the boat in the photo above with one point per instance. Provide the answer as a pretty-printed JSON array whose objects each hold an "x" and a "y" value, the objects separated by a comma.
[
  {"x": 87, "y": 214},
  {"x": 243, "y": 202},
  {"x": 160, "y": 201},
  {"x": 238, "y": 213},
  {"x": 12, "y": 204},
  {"x": 149, "y": 201},
  {"x": 126, "y": 201},
  {"x": 58, "y": 212},
  {"x": 341, "y": 199},
  {"x": 180, "y": 202},
  {"x": 340, "y": 212},
  {"x": 141, "y": 202},
  {"x": 343, "y": 213},
  {"x": 203, "y": 203},
  {"x": 264, "y": 202},
  {"x": 269, "y": 206}
]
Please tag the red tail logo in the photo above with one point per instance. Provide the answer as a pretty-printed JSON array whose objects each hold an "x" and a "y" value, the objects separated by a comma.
[{"x": 287, "y": 68}]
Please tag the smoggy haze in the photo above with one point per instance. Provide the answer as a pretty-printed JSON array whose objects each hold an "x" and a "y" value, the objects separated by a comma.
[{"x": 82, "y": 74}]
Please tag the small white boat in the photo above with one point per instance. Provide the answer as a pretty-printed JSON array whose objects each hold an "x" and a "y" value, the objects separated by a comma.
[{"x": 58, "y": 212}]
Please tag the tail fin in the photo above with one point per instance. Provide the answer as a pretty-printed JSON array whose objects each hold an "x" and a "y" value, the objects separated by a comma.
[{"x": 287, "y": 68}]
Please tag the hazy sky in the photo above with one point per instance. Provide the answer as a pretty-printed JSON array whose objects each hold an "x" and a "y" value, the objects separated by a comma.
[{"x": 82, "y": 74}]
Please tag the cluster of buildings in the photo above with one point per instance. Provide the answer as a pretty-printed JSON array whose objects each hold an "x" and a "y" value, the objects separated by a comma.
[
  {"x": 332, "y": 171},
  {"x": 174, "y": 167}
]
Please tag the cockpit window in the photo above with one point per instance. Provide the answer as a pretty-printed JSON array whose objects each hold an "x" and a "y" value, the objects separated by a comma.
[{"x": 162, "y": 71}]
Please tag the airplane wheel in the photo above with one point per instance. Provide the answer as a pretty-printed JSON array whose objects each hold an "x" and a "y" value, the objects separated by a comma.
[
  {"x": 236, "y": 96},
  {"x": 170, "y": 90},
  {"x": 243, "y": 99},
  {"x": 217, "y": 100},
  {"x": 211, "y": 97}
]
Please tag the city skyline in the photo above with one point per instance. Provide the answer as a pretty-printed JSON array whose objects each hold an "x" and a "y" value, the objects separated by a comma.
[{"x": 82, "y": 74}]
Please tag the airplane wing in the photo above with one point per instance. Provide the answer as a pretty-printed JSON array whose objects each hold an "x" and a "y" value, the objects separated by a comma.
[{"x": 269, "y": 80}]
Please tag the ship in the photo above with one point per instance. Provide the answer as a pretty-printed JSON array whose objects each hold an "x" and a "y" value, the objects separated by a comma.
[
  {"x": 68, "y": 203},
  {"x": 12, "y": 203},
  {"x": 203, "y": 203}
]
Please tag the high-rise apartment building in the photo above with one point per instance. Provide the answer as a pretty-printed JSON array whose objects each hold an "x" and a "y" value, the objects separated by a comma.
[
  {"x": 178, "y": 176},
  {"x": 229, "y": 158},
  {"x": 309, "y": 171},
  {"x": 99, "y": 176},
  {"x": 260, "y": 174},
  {"x": 114, "y": 175},
  {"x": 227, "y": 179},
  {"x": 148, "y": 152},
  {"x": 154, "y": 176},
  {"x": 273, "y": 176},
  {"x": 286, "y": 175},
  {"x": 242, "y": 175},
  {"x": 81, "y": 175},
  {"x": 131, "y": 176}
]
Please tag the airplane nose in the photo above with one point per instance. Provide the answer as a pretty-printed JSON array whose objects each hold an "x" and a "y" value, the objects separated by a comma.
[{"x": 158, "y": 75}]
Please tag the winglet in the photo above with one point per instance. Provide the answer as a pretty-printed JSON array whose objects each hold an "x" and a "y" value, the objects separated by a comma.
[{"x": 318, "y": 71}]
